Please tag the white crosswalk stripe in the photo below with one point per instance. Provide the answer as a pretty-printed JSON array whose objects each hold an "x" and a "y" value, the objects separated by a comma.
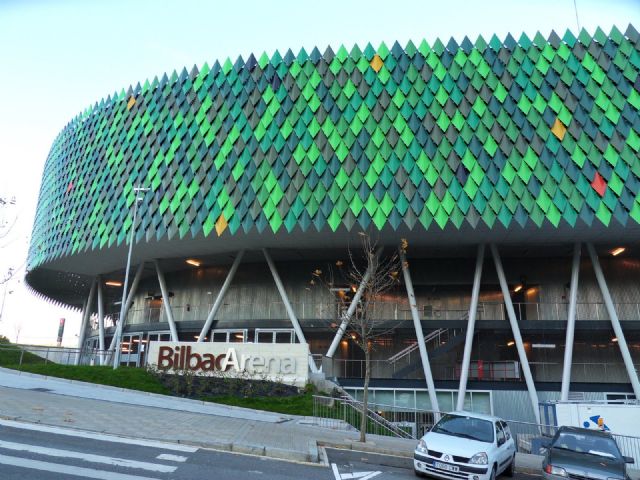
[
  {"x": 98, "y": 436},
  {"x": 87, "y": 457},
  {"x": 171, "y": 458},
  {"x": 31, "y": 451},
  {"x": 68, "y": 469}
]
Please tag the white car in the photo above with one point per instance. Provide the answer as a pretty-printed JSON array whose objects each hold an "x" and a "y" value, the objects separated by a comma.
[{"x": 465, "y": 445}]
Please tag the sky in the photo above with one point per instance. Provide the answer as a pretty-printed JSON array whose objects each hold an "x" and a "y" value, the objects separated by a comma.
[{"x": 59, "y": 57}]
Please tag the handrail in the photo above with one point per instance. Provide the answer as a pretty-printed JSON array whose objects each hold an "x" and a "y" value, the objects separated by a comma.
[{"x": 414, "y": 345}]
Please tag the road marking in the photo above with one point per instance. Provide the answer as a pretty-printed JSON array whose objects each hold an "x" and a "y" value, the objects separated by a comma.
[
  {"x": 352, "y": 476},
  {"x": 87, "y": 457},
  {"x": 171, "y": 458},
  {"x": 104, "y": 437},
  {"x": 68, "y": 469}
]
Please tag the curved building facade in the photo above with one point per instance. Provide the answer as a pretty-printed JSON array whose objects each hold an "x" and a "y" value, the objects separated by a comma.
[{"x": 256, "y": 172}]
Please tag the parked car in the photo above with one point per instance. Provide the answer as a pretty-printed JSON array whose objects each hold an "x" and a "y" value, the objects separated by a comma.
[
  {"x": 465, "y": 445},
  {"x": 581, "y": 453}
]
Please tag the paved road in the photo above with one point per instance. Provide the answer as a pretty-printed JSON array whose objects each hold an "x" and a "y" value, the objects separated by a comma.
[
  {"x": 349, "y": 464},
  {"x": 38, "y": 452}
]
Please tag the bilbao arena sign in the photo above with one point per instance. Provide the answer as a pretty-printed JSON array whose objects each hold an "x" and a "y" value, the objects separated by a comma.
[{"x": 284, "y": 362}]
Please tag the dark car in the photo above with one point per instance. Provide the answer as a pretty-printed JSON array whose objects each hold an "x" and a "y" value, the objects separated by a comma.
[{"x": 580, "y": 453}]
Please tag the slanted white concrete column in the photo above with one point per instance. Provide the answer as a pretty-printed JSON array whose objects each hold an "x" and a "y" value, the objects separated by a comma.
[
  {"x": 346, "y": 318},
  {"x": 571, "y": 324},
  {"x": 615, "y": 322},
  {"x": 165, "y": 302},
  {"x": 220, "y": 297},
  {"x": 522, "y": 354},
  {"x": 123, "y": 313},
  {"x": 426, "y": 367},
  {"x": 86, "y": 313},
  {"x": 471, "y": 325},
  {"x": 285, "y": 299},
  {"x": 100, "y": 319}
]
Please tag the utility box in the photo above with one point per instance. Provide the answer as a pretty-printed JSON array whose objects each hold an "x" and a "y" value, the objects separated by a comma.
[{"x": 620, "y": 419}]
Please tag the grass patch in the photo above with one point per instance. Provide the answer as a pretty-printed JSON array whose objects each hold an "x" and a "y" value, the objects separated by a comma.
[
  {"x": 142, "y": 380},
  {"x": 294, "y": 405},
  {"x": 123, "y": 377},
  {"x": 10, "y": 356}
]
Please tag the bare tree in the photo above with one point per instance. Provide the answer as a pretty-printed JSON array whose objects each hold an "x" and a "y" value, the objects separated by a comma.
[{"x": 368, "y": 277}]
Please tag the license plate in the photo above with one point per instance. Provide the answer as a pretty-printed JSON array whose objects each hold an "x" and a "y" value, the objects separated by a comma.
[{"x": 446, "y": 466}]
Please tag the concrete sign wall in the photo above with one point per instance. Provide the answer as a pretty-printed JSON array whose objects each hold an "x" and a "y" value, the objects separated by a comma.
[{"x": 284, "y": 362}]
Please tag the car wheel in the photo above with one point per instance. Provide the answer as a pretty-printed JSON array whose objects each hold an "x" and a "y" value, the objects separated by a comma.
[
  {"x": 493, "y": 473},
  {"x": 511, "y": 469}
]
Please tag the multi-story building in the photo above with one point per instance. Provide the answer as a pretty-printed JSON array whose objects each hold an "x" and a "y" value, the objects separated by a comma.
[{"x": 509, "y": 165}]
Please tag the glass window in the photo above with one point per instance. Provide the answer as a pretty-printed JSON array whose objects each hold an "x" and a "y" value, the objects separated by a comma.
[
  {"x": 594, "y": 444},
  {"x": 264, "y": 337},
  {"x": 505, "y": 427},
  {"x": 465, "y": 427},
  {"x": 219, "y": 337},
  {"x": 284, "y": 337},
  {"x": 500, "y": 434}
]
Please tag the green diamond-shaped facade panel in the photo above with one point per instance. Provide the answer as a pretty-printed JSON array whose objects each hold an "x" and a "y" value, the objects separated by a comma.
[{"x": 502, "y": 132}]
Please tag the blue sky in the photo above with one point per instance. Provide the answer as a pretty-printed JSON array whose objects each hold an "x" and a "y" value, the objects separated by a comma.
[{"x": 58, "y": 57}]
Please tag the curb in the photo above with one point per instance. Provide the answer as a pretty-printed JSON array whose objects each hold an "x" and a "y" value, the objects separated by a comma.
[
  {"x": 278, "y": 418},
  {"x": 312, "y": 457}
]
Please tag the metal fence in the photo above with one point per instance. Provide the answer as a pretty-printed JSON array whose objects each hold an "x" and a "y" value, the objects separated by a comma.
[
  {"x": 404, "y": 422},
  {"x": 383, "y": 310},
  {"x": 18, "y": 355}
]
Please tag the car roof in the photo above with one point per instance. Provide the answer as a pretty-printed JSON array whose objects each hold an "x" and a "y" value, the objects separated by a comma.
[
  {"x": 584, "y": 431},
  {"x": 482, "y": 416}
]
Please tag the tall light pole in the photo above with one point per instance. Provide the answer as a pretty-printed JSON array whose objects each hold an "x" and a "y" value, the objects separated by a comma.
[{"x": 120, "y": 326}]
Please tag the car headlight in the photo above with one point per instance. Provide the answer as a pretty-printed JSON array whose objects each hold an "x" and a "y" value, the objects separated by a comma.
[
  {"x": 422, "y": 447},
  {"x": 552, "y": 470},
  {"x": 479, "y": 459}
]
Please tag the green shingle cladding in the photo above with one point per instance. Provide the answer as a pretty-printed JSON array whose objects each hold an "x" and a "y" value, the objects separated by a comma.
[{"x": 423, "y": 135}]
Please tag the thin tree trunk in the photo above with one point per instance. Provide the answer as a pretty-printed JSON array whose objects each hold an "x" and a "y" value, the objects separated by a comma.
[{"x": 365, "y": 397}]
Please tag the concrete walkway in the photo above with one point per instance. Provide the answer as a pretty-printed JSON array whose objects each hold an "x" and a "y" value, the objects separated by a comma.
[{"x": 35, "y": 398}]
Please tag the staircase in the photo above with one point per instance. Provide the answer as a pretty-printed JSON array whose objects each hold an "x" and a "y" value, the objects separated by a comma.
[
  {"x": 438, "y": 343},
  {"x": 373, "y": 416}
]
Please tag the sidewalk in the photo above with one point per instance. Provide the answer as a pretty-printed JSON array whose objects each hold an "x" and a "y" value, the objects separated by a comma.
[{"x": 34, "y": 398}]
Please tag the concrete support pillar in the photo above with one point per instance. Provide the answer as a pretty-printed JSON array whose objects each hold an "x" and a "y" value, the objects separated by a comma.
[
  {"x": 471, "y": 325},
  {"x": 352, "y": 308},
  {"x": 571, "y": 324},
  {"x": 426, "y": 367},
  {"x": 522, "y": 354},
  {"x": 86, "y": 314},
  {"x": 220, "y": 297},
  {"x": 285, "y": 300},
  {"x": 100, "y": 319},
  {"x": 125, "y": 311},
  {"x": 615, "y": 322},
  {"x": 165, "y": 302}
]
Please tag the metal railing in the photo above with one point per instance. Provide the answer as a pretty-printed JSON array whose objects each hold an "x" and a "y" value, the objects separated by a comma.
[
  {"x": 481, "y": 370},
  {"x": 405, "y": 422},
  {"x": 18, "y": 355},
  {"x": 345, "y": 413},
  {"x": 392, "y": 311}
]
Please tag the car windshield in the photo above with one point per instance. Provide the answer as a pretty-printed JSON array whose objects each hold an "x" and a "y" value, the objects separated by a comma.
[
  {"x": 587, "y": 444},
  {"x": 465, "y": 427}
]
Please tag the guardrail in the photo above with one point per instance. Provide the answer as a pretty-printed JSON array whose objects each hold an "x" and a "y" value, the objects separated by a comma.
[
  {"x": 345, "y": 413},
  {"x": 35, "y": 354},
  {"x": 392, "y": 311}
]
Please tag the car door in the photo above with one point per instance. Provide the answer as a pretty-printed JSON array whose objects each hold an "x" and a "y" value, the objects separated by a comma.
[
  {"x": 511, "y": 443},
  {"x": 502, "y": 448}
]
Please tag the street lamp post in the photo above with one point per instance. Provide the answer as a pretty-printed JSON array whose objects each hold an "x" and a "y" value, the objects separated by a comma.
[{"x": 120, "y": 326}]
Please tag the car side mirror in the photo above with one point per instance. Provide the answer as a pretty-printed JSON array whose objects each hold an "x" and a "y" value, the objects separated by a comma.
[
  {"x": 501, "y": 441},
  {"x": 629, "y": 460}
]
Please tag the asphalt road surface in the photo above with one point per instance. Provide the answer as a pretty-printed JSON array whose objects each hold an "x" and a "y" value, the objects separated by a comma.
[
  {"x": 39, "y": 452},
  {"x": 347, "y": 464}
]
